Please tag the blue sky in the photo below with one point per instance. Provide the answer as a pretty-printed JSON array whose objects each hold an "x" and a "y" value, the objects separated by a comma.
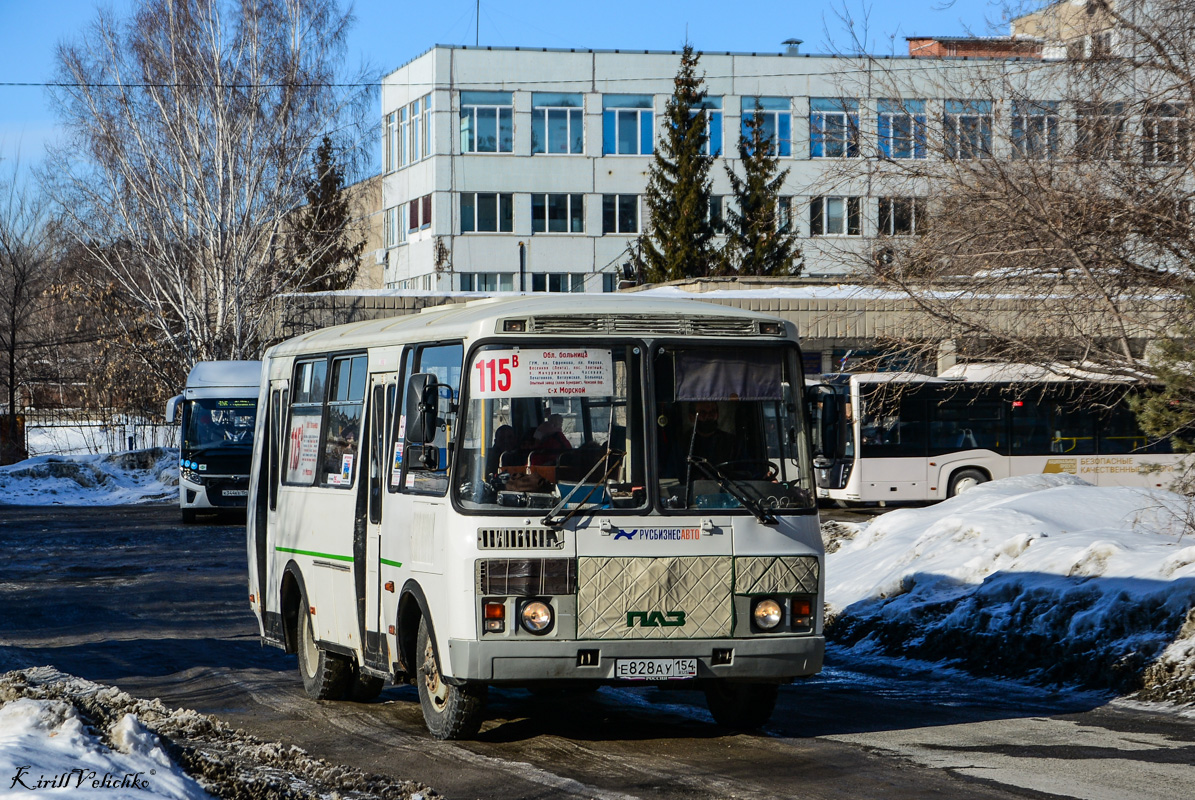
[{"x": 388, "y": 33}]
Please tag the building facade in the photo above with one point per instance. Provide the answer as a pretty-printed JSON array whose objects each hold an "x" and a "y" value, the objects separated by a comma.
[{"x": 517, "y": 169}]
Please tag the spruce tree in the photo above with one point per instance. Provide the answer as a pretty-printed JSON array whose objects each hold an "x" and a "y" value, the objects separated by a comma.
[
  {"x": 325, "y": 247},
  {"x": 677, "y": 240},
  {"x": 758, "y": 242}
]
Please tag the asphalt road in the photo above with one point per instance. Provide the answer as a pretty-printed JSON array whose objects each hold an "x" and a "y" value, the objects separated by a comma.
[{"x": 130, "y": 596}]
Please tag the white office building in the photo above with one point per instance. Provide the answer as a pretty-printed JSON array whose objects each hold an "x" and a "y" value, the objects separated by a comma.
[{"x": 514, "y": 168}]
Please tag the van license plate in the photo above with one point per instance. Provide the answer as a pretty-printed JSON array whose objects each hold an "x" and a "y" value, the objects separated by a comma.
[
  {"x": 236, "y": 492},
  {"x": 655, "y": 669}
]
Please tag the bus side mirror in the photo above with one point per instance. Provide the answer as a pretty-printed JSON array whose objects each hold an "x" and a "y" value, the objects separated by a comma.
[
  {"x": 423, "y": 404},
  {"x": 172, "y": 406}
]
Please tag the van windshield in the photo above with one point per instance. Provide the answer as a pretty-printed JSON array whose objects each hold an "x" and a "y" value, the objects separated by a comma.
[
  {"x": 547, "y": 426},
  {"x": 215, "y": 422},
  {"x": 728, "y": 429}
]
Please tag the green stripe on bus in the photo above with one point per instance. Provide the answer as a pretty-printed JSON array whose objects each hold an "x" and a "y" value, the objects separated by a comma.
[
  {"x": 390, "y": 563},
  {"x": 313, "y": 553}
]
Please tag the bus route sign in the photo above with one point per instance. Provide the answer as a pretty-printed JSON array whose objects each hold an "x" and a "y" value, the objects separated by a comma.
[{"x": 542, "y": 372}]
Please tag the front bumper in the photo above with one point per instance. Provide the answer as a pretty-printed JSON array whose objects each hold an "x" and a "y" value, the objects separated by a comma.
[{"x": 779, "y": 659}]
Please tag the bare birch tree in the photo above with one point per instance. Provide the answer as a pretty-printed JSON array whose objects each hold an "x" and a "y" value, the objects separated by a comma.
[
  {"x": 29, "y": 264},
  {"x": 191, "y": 126}
]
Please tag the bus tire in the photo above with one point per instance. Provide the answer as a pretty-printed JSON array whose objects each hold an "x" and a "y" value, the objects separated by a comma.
[
  {"x": 325, "y": 675},
  {"x": 450, "y": 712},
  {"x": 965, "y": 480},
  {"x": 189, "y": 516},
  {"x": 741, "y": 706},
  {"x": 364, "y": 688}
]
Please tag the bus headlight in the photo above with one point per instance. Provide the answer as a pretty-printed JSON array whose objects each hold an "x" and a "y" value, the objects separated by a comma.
[
  {"x": 536, "y": 617},
  {"x": 191, "y": 475},
  {"x": 766, "y": 614}
]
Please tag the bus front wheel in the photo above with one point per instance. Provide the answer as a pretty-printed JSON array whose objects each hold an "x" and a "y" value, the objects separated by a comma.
[
  {"x": 450, "y": 712},
  {"x": 325, "y": 675},
  {"x": 965, "y": 480},
  {"x": 742, "y": 706}
]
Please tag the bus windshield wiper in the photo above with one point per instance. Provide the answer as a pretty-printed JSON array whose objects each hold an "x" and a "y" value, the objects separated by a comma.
[
  {"x": 729, "y": 486},
  {"x": 549, "y": 519}
]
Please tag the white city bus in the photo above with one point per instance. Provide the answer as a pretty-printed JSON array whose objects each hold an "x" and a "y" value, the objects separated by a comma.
[
  {"x": 219, "y": 414},
  {"x": 539, "y": 491},
  {"x": 902, "y": 436}
]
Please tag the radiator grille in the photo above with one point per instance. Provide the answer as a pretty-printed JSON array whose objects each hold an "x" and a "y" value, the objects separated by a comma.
[
  {"x": 775, "y": 575},
  {"x": 639, "y": 598},
  {"x": 519, "y": 539},
  {"x": 643, "y": 324},
  {"x": 526, "y": 577}
]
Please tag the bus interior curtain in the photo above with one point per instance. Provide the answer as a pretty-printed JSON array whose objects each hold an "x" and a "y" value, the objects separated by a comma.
[{"x": 742, "y": 376}]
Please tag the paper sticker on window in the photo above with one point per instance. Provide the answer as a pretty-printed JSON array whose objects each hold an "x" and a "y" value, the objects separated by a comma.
[
  {"x": 304, "y": 448},
  {"x": 542, "y": 372},
  {"x": 396, "y": 468},
  {"x": 346, "y": 467}
]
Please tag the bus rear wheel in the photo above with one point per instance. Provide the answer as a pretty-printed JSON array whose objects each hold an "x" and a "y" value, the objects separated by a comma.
[
  {"x": 742, "y": 706},
  {"x": 450, "y": 712},
  {"x": 965, "y": 480},
  {"x": 325, "y": 675}
]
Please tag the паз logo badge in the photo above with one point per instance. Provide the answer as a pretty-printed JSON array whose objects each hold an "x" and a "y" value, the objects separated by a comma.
[{"x": 656, "y": 619}]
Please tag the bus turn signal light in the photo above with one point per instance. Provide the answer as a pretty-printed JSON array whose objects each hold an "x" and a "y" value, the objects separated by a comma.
[
  {"x": 495, "y": 617},
  {"x": 802, "y": 616}
]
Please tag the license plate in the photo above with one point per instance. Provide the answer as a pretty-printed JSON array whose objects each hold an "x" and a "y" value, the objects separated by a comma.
[
  {"x": 655, "y": 669},
  {"x": 236, "y": 492}
]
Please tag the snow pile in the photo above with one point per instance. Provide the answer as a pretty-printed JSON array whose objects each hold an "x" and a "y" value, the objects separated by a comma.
[
  {"x": 44, "y": 744},
  {"x": 1044, "y": 577},
  {"x": 135, "y": 476},
  {"x": 59, "y": 725}
]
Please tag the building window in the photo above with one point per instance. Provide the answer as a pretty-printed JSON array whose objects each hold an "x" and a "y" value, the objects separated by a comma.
[
  {"x": 1099, "y": 129},
  {"x": 404, "y": 136},
  {"x": 834, "y": 216},
  {"x": 712, "y": 106},
  {"x": 487, "y": 281},
  {"x": 714, "y": 216},
  {"x": 784, "y": 214},
  {"x": 557, "y": 213},
  {"x": 419, "y": 213},
  {"x": 487, "y": 122},
  {"x": 394, "y": 225},
  {"x": 1165, "y": 133},
  {"x": 833, "y": 127},
  {"x": 968, "y": 128},
  {"x": 487, "y": 212},
  {"x": 557, "y": 123},
  {"x": 777, "y": 118},
  {"x": 627, "y": 125},
  {"x": 1035, "y": 126},
  {"x": 901, "y": 216},
  {"x": 620, "y": 213},
  {"x": 414, "y": 129},
  {"x": 901, "y": 127},
  {"x": 390, "y": 143},
  {"x": 558, "y": 282},
  {"x": 609, "y": 282}
]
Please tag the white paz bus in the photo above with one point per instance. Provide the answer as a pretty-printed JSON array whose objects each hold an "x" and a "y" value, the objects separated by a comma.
[
  {"x": 539, "y": 491},
  {"x": 902, "y": 436}
]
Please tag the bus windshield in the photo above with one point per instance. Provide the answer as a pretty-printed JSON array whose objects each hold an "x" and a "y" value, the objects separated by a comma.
[
  {"x": 215, "y": 422},
  {"x": 553, "y": 426},
  {"x": 728, "y": 429}
]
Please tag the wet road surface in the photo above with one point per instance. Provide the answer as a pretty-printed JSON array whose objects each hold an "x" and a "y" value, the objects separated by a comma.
[{"x": 130, "y": 596}]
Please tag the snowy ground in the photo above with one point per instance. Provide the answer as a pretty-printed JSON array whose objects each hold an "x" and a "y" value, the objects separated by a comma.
[
  {"x": 137, "y": 476},
  {"x": 1043, "y": 577},
  {"x": 70, "y": 737}
]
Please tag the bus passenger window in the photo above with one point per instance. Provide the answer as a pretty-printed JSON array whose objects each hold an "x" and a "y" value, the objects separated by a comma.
[{"x": 342, "y": 443}]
